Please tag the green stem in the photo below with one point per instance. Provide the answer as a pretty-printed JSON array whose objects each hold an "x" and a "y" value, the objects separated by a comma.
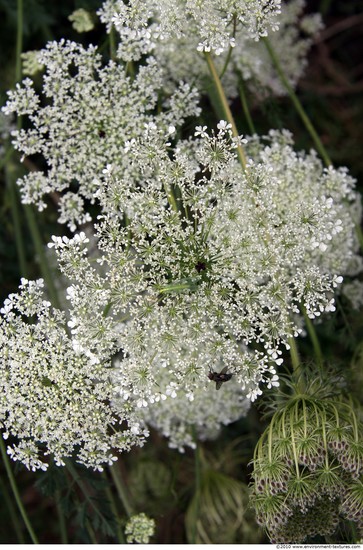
[
  {"x": 171, "y": 198},
  {"x": 359, "y": 233},
  {"x": 9, "y": 177},
  {"x": 12, "y": 512},
  {"x": 91, "y": 532},
  {"x": 16, "y": 494},
  {"x": 121, "y": 490},
  {"x": 112, "y": 37},
  {"x": 225, "y": 107},
  {"x": 298, "y": 106},
  {"x": 294, "y": 354},
  {"x": 43, "y": 262},
  {"x": 313, "y": 337},
  {"x": 226, "y": 63},
  {"x": 83, "y": 488},
  {"x": 61, "y": 519},
  {"x": 323, "y": 424},
  {"x": 292, "y": 422},
  {"x": 19, "y": 40},
  {"x": 111, "y": 499},
  {"x": 14, "y": 205},
  {"x": 270, "y": 439},
  {"x": 245, "y": 108},
  {"x": 198, "y": 485},
  {"x": 6, "y": 157},
  {"x": 229, "y": 55}
]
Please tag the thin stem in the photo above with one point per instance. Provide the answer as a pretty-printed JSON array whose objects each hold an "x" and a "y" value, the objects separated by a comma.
[
  {"x": 39, "y": 247},
  {"x": 229, "y": 55},
  {"x": 323, "y": 424},
  {"x": 16, "y": 494},
  {"x": 245, "y": 108},
  {"x": 198, "y": 485},
  {"x": 12, "y": 511},
  {"x": 120, "y": 534},
  {"x": 61, "y": 519},
  {"x": 121, "y": 491},
  {"x": 225, "y": 107},
  {"x": 297, "y": 104},
  {"x": 83, "y": 488},
  {"x": 270, "y": 438},
  {"x": 171, "y": 197},
  {"x": 112, "y": 38},
  {"x": 313, "y": 337},
  {"x": 19, "y": 40},
  {"x": 8, "y": 173},
  {"x": 226, "y": 63},
  {"x": 293, "y": 441},
  {"x": 91, "y": 532},
  {"x": 294, "y": 354},
  {"x": 14, "y": 205},
  {"x": 5, "y": 158},
  {"x": 304, "y": 416},
  {"x": 359, "y": 233}
]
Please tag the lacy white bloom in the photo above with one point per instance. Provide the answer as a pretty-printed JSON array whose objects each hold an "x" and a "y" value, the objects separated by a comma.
[
  {"x": 249, "y": 61},
  {"x": 199, "y": 268},
  {"x": 55, "y": 388},
  {"x": 198, "y": 260},
  {"x": 90, "y": 112},
  {"x": 213, "y": 23},
  {"x": 196, "y": 414}
]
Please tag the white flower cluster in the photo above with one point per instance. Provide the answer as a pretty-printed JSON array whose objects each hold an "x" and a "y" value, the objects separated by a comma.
[
  {"x": 197, "y": 414},
  {"x": 199, "y": 276},
  {"x": 139, "y": 529},
  {"x": 200, "y": 259},
  {"x": 249, "y": 61},
  {"x": 90, "y": 112},
  {"x": 200, "y": 269},
  {"x": 54, "y": 391},
  {"x": 212, "y": 23}
]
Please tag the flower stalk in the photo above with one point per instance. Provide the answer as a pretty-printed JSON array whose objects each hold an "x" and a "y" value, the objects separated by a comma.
[{"x": 225, "y": 106}]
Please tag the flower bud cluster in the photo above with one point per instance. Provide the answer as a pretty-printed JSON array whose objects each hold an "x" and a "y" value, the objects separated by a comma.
[
  {"x": 139, "y": 529},
  {"x": 301, "y": 485}
]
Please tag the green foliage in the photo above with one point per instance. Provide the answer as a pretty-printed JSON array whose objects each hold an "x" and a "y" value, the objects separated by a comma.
[{"x": 219, "y": 513}]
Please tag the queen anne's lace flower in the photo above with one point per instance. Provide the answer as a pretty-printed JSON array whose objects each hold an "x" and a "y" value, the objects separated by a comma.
[
  {"x": 55, "y": 388},
  {"x": 199, "y": 266},
  {"x": 200, "y": 259},
  {"x": 214, "y": 22},
  {"x": 249, "y": 61},
  {"x": 91, "y": 111},
  {"x": 197, "y": 414}
]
